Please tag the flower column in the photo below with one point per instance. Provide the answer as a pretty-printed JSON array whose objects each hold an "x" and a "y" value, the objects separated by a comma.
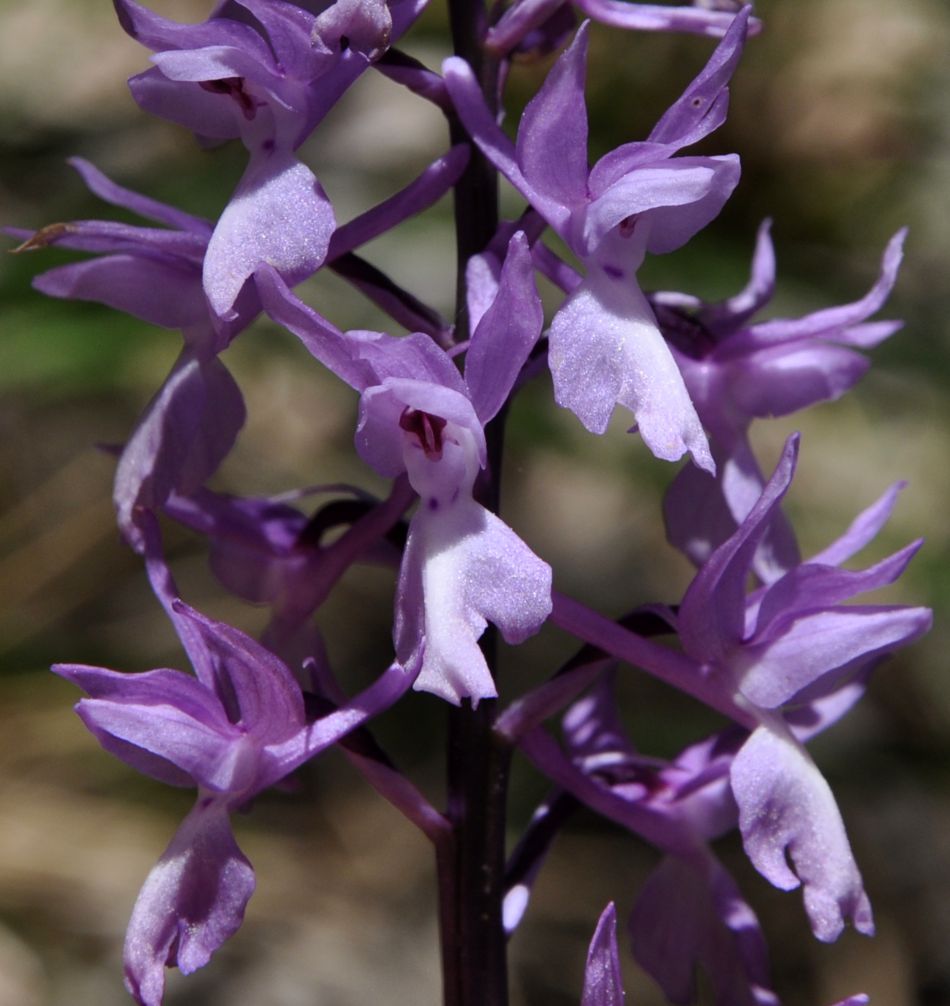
[{"x": 471, "y": 871}]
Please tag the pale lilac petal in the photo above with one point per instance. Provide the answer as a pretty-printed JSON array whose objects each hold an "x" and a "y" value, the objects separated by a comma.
[
  {"x": 656, "y": 17},
  {"x": 593, "y": 725},
  {"x": 702, "y": 512},
  {"x": 807, "y": 721},
  {"x": 366, "y": 24},
  {"x": 784, "y": 379},
  {"x": 289, "y": 28},
  {"x": 824, "y": 323},
  {"x": 785, "y": 805},
  {"x": 463, "y": 568},
  {"x": 467, "y": 98},
  {"x": 413, "y": 357},
  {"x": 192, "y": 901},
  {"x": 696, "y": 113},
  {"x": 862, "y": 531},
  {"x": 552, "y": 135},
  {"x": 690, "y": 914},
  {"x": 605, "y": 348},
  {"x": 255, "y": 686},
  {"x": 161, "y": 292},
  {"x": 159, "y": 33},
  {"x": 658, "y": 827},
  {"x": 210, "y": 115},
  {"x": 316, "y": 737},
  {"x": 214, "y": 755},
  {"x": 671, "y": 227},
  {"x": 839, "y": 322},
  {"x": 107, "y": 190},
  {"x": 506, "y": 333},
  {"x": 773, "y": 672},
  {"x": 188, "y": 429},
  {"x": 214, "y": 62},
  {"x": 278, "y": 216},
  {"x": 678, "y": 197},
  {"x": 481, "y": 285},
  {"x": 603, "y": 985},
  {"x": 152, "y": 688},
  {"x": 699, "y": 110},
  {"x": 742, "y": 483},
  {"x": 114, "y": 236},
  {"x": 712, "y": 615},
  {"x": 811, "y": 587}
]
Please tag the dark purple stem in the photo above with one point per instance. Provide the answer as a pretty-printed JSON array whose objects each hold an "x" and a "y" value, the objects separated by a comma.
[{"x": 471, "y": 867}]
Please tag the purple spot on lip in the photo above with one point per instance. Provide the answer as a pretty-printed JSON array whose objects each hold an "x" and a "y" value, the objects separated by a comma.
[
  {"x": 433, "y": 503},
  {"x": 613, "y": 272}
]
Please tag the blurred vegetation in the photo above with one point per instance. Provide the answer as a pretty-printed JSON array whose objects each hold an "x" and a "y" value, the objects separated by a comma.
[{"x": 841, "y": 116}]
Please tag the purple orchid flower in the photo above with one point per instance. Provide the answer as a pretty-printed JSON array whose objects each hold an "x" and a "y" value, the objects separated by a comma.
[
  {"x": 526, "y": 16},
  {"x": 268, "y": 552},
  {"x": 784, "y": 662},
  {"x": 224, "y": 79},
  {"x": 235, "y": 729},
  {"x": 462, "y": 566},
  {"x": 602, "y": 982},
  {"x": 735, "y": 371},
  {"x": 689, "y": 913},
  {"x": 782, "y": 645},
  {"x": 605, "y": 346},
  {"x": 155, "y": 274},
  {"x": 267, "y": 79}
]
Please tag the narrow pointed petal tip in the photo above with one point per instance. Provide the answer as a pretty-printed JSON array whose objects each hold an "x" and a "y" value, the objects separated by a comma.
[{"x": 602, "y": 981}]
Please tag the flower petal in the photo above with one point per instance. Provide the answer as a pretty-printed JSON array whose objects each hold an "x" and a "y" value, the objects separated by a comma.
[
  {"x": 463, "y": 568},
  {"x": 785, "y": 804},
  {"x": 552, "y": 135},
  {"x": 159, "y": 291},
  {"x": 506, "y": 333},
  {"x": 602, "y": 982},
  {"x": 605, "y": 348},
  {"x": 255, "y": 686},
  {"x": 187, "y": 431},
  {"x": 712, "y": 615},
  {"x": 775, "y": 671},
  {"x": 192, "y": 901},
  {"x": 278, "y": 216},
  {"x": 689, "y": 914}
]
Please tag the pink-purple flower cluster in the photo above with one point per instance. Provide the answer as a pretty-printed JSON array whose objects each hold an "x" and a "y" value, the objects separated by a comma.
[{"x": 767, "y": 639}]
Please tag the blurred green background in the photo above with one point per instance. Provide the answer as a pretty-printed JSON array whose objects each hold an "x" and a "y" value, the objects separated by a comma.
[{"x": 841, "y": 116}]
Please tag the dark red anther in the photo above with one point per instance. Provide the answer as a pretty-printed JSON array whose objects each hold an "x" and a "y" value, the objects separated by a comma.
[
  {"x": 628, "y": 225},
  {"x": 234, "y": 86},
  {"x": 426, "y": 428}
]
